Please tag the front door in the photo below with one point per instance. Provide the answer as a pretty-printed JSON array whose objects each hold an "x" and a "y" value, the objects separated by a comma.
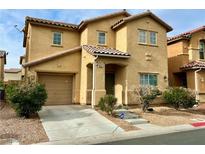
[{"x": 110, "y": 83}]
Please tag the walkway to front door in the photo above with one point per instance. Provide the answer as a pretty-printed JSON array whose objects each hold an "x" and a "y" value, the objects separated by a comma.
[{"x": 74, "y": 121}]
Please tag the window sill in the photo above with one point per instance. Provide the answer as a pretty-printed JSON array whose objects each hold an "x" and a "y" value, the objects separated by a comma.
[
  {"x": 151, "y": 45},
  {"x": 102, "y": 45},
  {"x": 55, "y": 45}
]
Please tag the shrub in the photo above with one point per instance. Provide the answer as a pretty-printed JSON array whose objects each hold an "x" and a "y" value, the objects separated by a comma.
[
  {"x": 179, "y": 97},
  {"x": 26, "y": 98},
  {"x": 148, "y": 94},
  {"x": 107, "y": 104}
]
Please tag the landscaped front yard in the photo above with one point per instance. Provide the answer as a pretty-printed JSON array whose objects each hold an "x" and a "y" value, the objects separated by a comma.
[
  {"x": 26, "y": 131},
  {"x": 166, "y": 116}
]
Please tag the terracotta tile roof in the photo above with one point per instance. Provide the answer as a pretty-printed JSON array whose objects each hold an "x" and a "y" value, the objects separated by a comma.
[
  {"x": 44, "y": 59},
  {"x": 103, "y": 51},
  {"x": 185, "y": 35},
  {"x": 12, "y": 70},
  {"x": 51, "y": 22},
  {"x": 137, "y": 16},
  {"x": 193, "y": 65},
  {"x": 84, "y": 22}
]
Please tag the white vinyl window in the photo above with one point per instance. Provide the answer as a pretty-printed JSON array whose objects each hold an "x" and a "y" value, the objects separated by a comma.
[
  {"x": 57, "y": 38},
  {"x": 102, "y": 38},
  {"x": 147, "y": 79},
  {"x": 153, "y": 38},
  {"x": 142, "y": 36}
]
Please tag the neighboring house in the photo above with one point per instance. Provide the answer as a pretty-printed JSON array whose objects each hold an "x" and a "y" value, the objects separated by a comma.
[
  {"x": 2, "y": 63},
  {"x": 110, "y": 54},
  {"x": 186, "y": 53},
  {"x": 12, "y": 74}
]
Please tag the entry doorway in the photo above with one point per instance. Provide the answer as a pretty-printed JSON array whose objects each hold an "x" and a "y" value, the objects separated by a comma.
[
  {"x": 110, "y": 83},
  {"x": 181, "y": 79}
]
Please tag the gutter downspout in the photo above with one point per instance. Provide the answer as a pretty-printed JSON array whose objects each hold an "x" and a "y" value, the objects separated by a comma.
[
  {"x": 94, "y": 82},
  {"x": 196, "y": 84}
]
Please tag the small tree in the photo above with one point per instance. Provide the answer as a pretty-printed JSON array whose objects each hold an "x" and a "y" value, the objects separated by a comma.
[
  {"x": 26, "y": 98},
  {"x": 107, "y": 104},
  {"x": 148, "y": 94},
  {"x": 180, "y": 97}
]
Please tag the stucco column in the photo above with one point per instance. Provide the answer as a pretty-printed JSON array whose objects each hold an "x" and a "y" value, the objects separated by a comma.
[
  {"x": 126, "y": 89},
  {"x": 83, "y": 79},
  {"x": 196, "y": 77},
  {"x": 99, "y": 82}
]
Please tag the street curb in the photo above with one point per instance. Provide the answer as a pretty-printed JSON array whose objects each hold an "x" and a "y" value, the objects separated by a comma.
[{"x": 101, "y": 139}]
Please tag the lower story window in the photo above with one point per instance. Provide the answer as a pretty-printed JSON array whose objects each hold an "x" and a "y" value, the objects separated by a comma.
[{"x": 147, "y": 79}]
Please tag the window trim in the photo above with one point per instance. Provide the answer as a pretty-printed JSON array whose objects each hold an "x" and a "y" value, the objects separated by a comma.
[
  {"x": 98, "y": 32},
  {"x": 148, "y": 78},
  {"x": 146, "y": 42},
  {"x": 57, "y": 45},
  {"x": 150, "y": 38},
  {"x": 200, "y": 50}
]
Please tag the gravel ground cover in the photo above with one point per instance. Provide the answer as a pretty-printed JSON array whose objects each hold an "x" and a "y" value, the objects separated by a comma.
[
  {"x": 121, "y": 123},
  {"x": 166, "y": 116},
  {"x": 26, "y": 131}
]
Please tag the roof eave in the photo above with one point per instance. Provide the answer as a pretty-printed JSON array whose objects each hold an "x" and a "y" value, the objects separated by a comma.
[
  {"x": 44, "y": 59},
  {"x": 106, "y": 55},
  {"x": 85, "y": 22},
  {"x": 137, "y": 16}
]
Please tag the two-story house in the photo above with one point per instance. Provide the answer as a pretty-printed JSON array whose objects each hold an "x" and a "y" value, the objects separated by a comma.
[
  {"x": 110, "y": 54},
  {"x": 186, "y": 58}
]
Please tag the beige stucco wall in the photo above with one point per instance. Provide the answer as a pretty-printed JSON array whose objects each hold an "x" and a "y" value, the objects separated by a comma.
[
  {"x": 178, "y": 48},
  {"x": 86, "y": 59},
  {"x": 121, "y": 39},
  {"x": 69, "y": 64},
  {"x": 101, "y": 25},
  {"x": 138, "y": 62},
  {"x": 190, "y": 80},
  {"x": 41, "y": 41},
  {"x": 12, "y": 76}
]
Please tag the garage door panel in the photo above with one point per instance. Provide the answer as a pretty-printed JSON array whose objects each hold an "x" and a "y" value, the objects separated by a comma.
[{"x": 58, "y": 87}]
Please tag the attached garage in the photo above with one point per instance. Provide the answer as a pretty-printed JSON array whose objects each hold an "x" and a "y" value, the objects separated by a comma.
[{"x": 58, "y": 86}]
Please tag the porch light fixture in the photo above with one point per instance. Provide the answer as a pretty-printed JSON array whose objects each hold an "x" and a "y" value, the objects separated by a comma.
[{"x": 165, "y": 78}]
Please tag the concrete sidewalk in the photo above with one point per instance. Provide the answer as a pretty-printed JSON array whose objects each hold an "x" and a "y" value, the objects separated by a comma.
[{"x": 146, "y": 130}]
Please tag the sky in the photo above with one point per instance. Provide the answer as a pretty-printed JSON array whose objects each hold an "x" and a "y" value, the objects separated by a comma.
[{"x": 11, "y": 39}]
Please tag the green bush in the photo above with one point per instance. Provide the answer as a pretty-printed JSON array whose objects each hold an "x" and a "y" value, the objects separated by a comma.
[
  {"x": 26, "y": 98},
  {"x": 107, "y": 104},
  {"x": 148, "y": 94},
  {"x": 179, "y": 97}
]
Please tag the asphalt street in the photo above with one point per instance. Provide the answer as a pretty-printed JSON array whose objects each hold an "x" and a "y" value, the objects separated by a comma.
[{"x": 194, "y": 137}]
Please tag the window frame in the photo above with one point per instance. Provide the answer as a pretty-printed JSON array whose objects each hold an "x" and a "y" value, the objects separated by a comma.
[
  {"x": 148, "y": 79},
  {"x": 146, "y": 42},
  {"x": 53, "y": 34},
  {"x": 156, "y": 38},
  {"x": 98, "y": 36},
  {"x": 200, "y": 51}
]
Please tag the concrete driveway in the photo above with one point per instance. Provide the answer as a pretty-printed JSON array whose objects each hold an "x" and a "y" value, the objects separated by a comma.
[{"x": 70, "y": 122}]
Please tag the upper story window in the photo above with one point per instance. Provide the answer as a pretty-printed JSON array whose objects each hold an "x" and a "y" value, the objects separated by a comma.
[
  {"x": 147, "y": 37},
  {"x": 201, "y": 49},
  {"x": 102, "y": 38},
  {"x": 57, "y": 38},
  {"x": 153, "y": 38},
  {"x": 142, "y": 36},
  {"x": 147, "y": 79}
]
